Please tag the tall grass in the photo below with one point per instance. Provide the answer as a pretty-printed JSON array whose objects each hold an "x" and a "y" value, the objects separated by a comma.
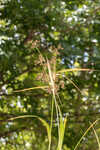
[{"x": 61, "y": 122}]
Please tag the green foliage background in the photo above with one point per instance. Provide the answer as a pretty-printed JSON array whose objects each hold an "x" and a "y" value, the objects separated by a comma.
[{"x": 67, "y": 34}]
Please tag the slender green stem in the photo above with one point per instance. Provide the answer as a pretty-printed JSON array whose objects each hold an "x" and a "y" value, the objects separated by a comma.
[{"x": 52, "y": 110}]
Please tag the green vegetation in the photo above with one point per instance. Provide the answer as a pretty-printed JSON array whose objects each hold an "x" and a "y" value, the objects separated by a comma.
[{"x": 49, "y": 74}]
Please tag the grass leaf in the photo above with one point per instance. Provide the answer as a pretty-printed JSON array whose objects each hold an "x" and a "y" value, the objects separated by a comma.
[
  {"x": 62, "y": 125},
  {"x": 33, "y": 88},
  {"x": 86, "y": 133},
  {"x": 39, "y": 118}
]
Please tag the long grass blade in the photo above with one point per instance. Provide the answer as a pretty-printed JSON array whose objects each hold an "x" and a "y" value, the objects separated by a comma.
[
  {"x": 39, "y": 118},
  {"x": 54, "y": 96},
  {"x": 74, "y": 85},
  {"x": 97, "y": 138},
  {"x": 61, "y": 132},
  {"x": 86, "y": 133},
  {"x": 33, "y": 88},
  {"x": 52, "y": 81},
  {"x": 76, "y": 69}
]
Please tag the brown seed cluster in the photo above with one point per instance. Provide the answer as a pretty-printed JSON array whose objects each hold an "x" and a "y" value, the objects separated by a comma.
[{"x": 44, "y": 76}]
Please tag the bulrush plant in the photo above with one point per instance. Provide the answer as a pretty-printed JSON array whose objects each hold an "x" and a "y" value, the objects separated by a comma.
[
  {"x": 51, "y": 87},
  {"x": 50, "y": 76}
]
